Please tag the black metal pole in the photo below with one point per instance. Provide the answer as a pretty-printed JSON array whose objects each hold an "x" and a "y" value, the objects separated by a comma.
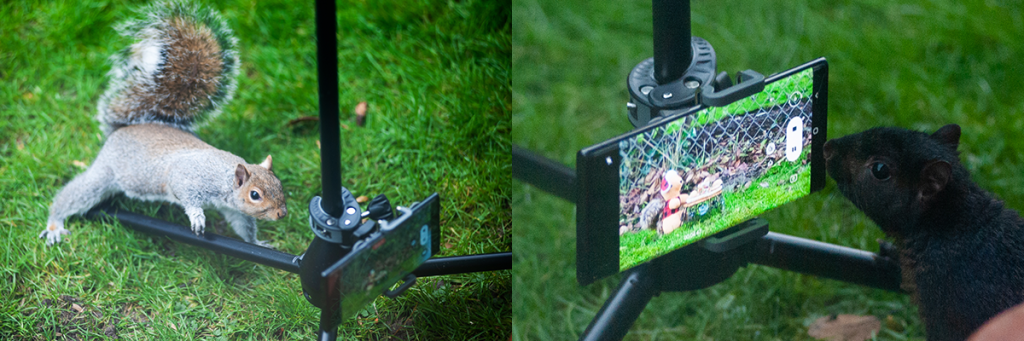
[
  {"x": 827, "y": 260},
  {"x": 621, "y": 309},
  {"x": 327, "y": 79},
  {"x": 285, "y": 261},
  {"x": 211, "y": 241},
  {"x": 673, "y": 51},
  {"x": 464, "y": 264},
  {"x": 328, "y": 330},
  {"x": 548, "y": 175}
]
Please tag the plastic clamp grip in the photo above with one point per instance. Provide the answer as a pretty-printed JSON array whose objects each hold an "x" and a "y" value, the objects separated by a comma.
[
  {"x": 750, "y": 82},
  {"x": 335, "y": 229}
]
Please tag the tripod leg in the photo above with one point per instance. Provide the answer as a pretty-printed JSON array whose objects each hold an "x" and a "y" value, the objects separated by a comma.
[
  {"x": 328, "y": 326},
  {"x": 622, "y": 308},
  {"x": 827, "y": 260}
]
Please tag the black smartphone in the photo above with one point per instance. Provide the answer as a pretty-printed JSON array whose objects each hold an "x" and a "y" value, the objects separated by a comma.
[
  {"x": 377, "y": 263},
  {"x": 686, "y": 177}
]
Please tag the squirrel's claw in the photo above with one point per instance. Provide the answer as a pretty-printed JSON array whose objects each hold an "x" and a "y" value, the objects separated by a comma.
[
  {"x": 197, "y": 218},
  {"x": 52, "y": 233},
  {"x": 198, "y": 227}
]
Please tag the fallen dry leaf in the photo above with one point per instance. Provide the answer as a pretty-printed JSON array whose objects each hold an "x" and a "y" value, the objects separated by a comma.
[
  {"x": 173, "y": 326},
  {"x": 317, "y": 144},
  {"x": 362, "y": 198},
  {"x": 844, "y": 327},
  {"x": 79, "y": 164},
  {"x": 76, "y": 307}
]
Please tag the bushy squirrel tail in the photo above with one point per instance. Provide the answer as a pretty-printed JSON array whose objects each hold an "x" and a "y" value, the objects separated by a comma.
[{"x": 180, "y": 70}]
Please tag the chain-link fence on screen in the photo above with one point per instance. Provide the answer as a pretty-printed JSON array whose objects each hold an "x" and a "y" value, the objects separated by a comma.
[{"x": 737, "y": 149}]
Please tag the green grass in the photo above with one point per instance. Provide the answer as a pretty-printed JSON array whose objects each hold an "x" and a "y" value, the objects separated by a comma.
[
  {"x": 436, "y": 76},
  {"x": 918, "y": 65}
]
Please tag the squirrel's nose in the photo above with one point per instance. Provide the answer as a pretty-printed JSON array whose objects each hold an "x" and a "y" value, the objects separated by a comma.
[
  {"x": 282, "y": 213},
  {"x": 828, "y": 150}
]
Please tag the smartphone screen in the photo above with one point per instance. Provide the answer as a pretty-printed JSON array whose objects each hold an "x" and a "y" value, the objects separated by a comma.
[
  {"x": 701, "y": 172},
  {"x": 381, "y": 261}
]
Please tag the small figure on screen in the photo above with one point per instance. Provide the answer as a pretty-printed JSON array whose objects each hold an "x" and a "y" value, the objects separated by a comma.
[
  {"x": 663, "y": 212},
  {"x": 667, "y": 212}
]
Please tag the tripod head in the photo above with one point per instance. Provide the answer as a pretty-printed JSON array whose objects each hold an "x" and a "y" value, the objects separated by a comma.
[
  {"x": 670, "y": 82},
  {"x": 681, "y": 75},
  {"x": 335, "y": 237},
  {"x": 650, "y": 99}
]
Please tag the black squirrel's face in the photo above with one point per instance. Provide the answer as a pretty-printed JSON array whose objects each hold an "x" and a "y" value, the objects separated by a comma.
[{"x": 873, "y": 171}]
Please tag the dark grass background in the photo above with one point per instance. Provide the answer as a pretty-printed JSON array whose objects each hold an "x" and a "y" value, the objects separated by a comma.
[
  {"x": 918, "y": 65},
  {"x": 436, "y": 77}
]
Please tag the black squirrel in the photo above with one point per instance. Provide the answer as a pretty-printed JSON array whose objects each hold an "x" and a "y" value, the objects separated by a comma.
[
  {"x": 960, "y": 250},
  {"x": 181, "y": 69}
]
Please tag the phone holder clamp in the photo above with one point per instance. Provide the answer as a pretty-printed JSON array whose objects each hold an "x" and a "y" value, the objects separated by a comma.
[
  {"x": 723, "y": 92},
  {"x": 650, "y": 99},
  {"x": 336, "y": 230}
]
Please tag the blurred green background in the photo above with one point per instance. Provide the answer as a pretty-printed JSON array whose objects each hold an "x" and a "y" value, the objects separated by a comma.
[
  {"x": 917, "y": 65},
  {"x": 436, "y": 77}
]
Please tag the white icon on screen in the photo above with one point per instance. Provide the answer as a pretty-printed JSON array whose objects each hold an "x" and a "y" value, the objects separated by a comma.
[
  {"x": 794, "y": 138},
  {"x": 424, "y": 235}
]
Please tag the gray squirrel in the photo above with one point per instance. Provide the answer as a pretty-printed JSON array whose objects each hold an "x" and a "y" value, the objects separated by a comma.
[
  {"x": 180, "y": 70},
  {"x": 961, "y": 251}
]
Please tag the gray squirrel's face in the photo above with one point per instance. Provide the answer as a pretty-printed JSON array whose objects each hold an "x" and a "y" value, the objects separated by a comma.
[
  {"x": 260, "y": 192},
  {"x": 872, "y": 171}
]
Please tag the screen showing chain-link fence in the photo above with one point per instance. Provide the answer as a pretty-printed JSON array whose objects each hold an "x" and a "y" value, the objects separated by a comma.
[{"x": 713, "y": 169}]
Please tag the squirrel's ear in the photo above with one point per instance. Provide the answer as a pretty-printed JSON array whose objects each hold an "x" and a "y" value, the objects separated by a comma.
[
  {"x": 267, "y": 162},
  {"x": 241, "y": 174},
  {"x": 948, "y": 135},
  {"x": 934, "y": 178}
]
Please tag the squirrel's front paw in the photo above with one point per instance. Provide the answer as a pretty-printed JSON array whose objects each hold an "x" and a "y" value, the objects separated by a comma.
[
  {"x": 197, "y": 218},
  {"x": 52, "y": 233},
  {"x": 198, "y": 227}
]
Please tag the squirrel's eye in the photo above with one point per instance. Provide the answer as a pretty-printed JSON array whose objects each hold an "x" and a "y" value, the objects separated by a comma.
[
  {"x": 254, "y": 195},
  {"x": 880, "y": 170}
]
